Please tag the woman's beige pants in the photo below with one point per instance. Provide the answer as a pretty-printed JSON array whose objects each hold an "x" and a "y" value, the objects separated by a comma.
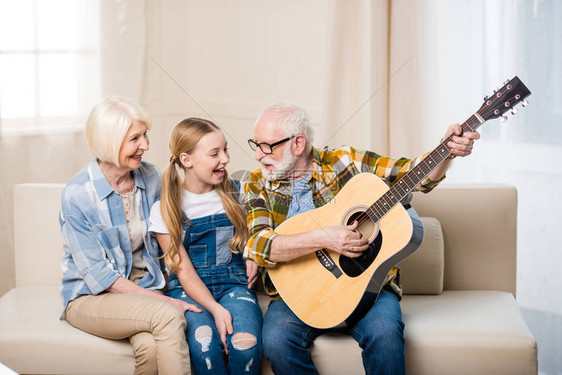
[{"x": 155, "y": 328}]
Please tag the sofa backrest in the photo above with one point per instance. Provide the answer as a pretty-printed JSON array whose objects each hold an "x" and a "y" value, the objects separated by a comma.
[
  {"x": 479, "y": 224},
  {"x": 37, "y": 240},
  {"x": 469, "y": 238},
  {"x": 422, "y": 272}
]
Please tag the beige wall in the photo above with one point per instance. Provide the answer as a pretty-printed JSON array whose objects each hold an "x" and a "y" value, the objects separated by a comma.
[
  {"x": 221, "y": 60},
  {"x": 226, "y": 61}
]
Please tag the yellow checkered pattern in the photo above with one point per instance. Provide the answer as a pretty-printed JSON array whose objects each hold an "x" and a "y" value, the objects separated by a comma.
[{"x": 267, "y": 203}]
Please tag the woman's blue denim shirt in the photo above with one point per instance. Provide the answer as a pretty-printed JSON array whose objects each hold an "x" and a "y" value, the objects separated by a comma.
[{"x": 97, "y": 249}]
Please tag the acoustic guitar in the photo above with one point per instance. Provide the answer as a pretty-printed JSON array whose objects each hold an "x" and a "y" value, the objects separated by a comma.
[{"x": 324, "y": 288}]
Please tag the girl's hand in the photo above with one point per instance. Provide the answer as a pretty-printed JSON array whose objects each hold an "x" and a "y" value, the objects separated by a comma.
[
  {"x": 223, "y": 321},
  {"x": 184, "y": 306},
  {"x": 252, "y": 272}
]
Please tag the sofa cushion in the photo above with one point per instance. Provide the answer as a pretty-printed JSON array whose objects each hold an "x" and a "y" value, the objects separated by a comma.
[
  {"x": 30, "y": 329},
  {"x": 422, "y": 271},
  {"x": 467, "y": 332},
  {"x": 457, "y": 332}
]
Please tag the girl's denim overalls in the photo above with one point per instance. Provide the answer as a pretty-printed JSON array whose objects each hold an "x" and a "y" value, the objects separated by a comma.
[{"x": 224, "y": 273}]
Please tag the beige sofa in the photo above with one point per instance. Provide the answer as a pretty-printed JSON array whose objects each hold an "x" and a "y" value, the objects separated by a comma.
[{"x": 460, "y": 313}]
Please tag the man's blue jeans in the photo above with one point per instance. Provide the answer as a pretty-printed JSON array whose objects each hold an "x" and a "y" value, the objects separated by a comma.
[{"x": 380, "y": 333}]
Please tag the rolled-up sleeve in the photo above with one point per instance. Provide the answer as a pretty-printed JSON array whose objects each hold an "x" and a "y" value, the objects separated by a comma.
[
  {"x": 260, "y": 224},
  {"x": 390, "y": 169}
]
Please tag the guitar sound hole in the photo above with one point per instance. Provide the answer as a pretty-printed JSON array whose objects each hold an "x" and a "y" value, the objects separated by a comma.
[
  {"x": 355, "y": 216},
  {"x": 354, "y": 267},
  {"x": 367, "y": 227}
]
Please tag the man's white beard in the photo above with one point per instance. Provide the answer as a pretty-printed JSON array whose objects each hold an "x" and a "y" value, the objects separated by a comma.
[{"x": 282, "y": 167}]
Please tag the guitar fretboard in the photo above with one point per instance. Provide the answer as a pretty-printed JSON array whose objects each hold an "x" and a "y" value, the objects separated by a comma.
[
  {"x": 414, "y": 177},
  {"x": 512, "y": 93}
]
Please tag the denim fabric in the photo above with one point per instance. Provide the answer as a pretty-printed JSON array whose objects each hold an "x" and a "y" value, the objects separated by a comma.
[
  {"x": 379, "y": 332},
  {"x": 224, "y": 273}
]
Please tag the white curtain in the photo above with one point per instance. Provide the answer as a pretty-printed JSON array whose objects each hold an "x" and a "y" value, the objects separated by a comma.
[
  {"x": 57, "y": 156},
  {"x": 372, "y": 78},
  {"x": 466, "y": 49},
  {"x": 357, "y": 76}
]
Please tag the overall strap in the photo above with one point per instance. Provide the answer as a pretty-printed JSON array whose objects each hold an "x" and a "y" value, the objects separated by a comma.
[{"x": 187, "y": 224}]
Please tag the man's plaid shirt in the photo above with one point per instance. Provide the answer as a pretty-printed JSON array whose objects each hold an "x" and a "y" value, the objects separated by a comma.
[{"x": 267, "y": 203}]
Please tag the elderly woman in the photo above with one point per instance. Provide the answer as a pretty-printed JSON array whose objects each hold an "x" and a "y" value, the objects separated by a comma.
[{"x": 113, "y": 272}]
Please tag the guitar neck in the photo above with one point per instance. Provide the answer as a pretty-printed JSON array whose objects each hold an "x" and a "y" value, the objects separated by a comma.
[
  {"x": 414, "y": 177},
  {"x": 512, "y": 93}
]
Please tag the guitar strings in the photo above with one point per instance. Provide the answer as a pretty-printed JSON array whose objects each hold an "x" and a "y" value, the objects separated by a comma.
[{"x": 469, "y": 125}]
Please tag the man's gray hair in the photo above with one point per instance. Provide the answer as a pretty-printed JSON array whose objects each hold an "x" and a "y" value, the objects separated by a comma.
[{"x": 294, "y": 120}]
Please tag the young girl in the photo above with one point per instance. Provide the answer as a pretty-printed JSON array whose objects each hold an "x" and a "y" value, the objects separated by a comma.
[{"x": 202, "y": 230}]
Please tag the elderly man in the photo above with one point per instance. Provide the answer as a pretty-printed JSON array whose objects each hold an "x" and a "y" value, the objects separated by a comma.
[{"x": 293, "y": 180}]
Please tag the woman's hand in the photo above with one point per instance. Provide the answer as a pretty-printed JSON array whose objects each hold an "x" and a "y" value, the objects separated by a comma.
[
  {"x": 223, "y": 322},
  {"x": 252, "y": 271}
]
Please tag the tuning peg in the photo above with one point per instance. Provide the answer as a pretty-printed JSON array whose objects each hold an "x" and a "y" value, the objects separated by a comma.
[
  {"x": 513, "y": 110},
  {"x": 486, "y": 98},
  {"x": 503, "y": 118},
  {"x": 524, "y": 103},
  {"x": 496, "y": 90},
  {"x": 506, "y": 81}
]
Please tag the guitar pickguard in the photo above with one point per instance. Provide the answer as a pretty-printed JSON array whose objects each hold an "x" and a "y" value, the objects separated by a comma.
[{"x": 354, "y": 267}]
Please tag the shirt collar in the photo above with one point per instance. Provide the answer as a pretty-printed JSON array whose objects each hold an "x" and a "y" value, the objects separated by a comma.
[
  {"x": 102, "y": 186},
  {"x": 321, "y": 171},
  {"x": 276, "y": 185}
]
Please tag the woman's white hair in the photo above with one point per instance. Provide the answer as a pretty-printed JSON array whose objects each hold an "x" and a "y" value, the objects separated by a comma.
[
  {"x": 108, "y": 124},
  {"x": 294, "y": 120}
]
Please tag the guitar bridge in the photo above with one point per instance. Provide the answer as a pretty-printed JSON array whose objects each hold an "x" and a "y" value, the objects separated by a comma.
[{"x": 328, "y": 263}]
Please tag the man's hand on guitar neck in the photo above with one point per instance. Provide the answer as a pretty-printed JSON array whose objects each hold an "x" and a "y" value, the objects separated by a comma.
[
  {"x": 461, "y": 144},
  {"x": 343, "y": 239}
]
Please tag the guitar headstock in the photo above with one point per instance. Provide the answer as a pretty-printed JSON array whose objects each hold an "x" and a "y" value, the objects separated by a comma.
[{"x": 506, "y": 98}]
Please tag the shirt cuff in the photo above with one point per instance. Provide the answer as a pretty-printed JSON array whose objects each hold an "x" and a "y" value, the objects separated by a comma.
[
  {"x": 100, "y": 277},
  {"x": 427, "y": 184},
  {"x": 258, "y": 247}
]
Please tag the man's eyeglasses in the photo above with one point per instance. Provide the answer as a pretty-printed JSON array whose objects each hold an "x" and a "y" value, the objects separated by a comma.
[{"x": 266, "y": 148}]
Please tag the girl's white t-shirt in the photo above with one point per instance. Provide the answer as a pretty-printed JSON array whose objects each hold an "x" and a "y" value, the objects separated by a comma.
[{"x": 193, "y": 206}]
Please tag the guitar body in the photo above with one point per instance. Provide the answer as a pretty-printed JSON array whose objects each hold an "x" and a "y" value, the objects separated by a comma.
[{"x": 324, "y": 288}]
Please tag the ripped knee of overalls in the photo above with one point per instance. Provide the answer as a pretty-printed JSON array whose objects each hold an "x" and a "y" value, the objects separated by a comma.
[{"x": 243, "y": 341}]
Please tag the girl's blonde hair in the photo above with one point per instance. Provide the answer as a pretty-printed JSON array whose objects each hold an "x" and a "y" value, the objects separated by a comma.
[{"x": 184, "y": 139}]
